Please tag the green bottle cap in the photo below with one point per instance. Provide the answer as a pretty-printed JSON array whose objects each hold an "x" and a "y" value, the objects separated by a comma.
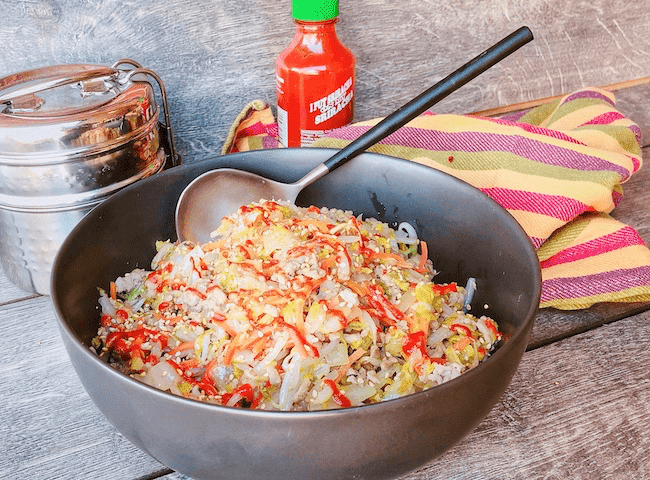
[{"x": 314, "y": 10}]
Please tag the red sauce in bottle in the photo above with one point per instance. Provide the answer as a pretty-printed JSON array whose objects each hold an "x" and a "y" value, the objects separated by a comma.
[{"x": 315, "y": 76}]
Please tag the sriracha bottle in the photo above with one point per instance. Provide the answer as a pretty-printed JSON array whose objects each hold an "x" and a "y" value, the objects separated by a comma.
[{"x": 314, "y": 76}]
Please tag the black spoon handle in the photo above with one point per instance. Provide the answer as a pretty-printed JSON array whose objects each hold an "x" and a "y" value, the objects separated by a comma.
[{"x": 433, "y": 95}]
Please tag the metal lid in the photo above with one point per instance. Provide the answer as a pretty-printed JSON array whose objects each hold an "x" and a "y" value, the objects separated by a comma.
[{"x": 50, "y": 113}]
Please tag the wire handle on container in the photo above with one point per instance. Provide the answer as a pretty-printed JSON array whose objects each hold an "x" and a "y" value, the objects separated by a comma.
[{"x": 176, "y": 158}]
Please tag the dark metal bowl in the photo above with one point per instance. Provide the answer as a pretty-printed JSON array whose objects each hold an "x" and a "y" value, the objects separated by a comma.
[{"x": 468, "y": 234}]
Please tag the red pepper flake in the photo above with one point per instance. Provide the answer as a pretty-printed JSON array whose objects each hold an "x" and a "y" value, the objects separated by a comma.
[
  {"x": 337, "y": 395},
  {"x": 196, "y": 292},
  {"x": 207, "y": 388},
  {"x": 461, "y": 328},
  {"x": 245, "y": 391},
  {"x": 444, "y": 289},
  {"x": 415, "y": 341},
  {"x": 152, "y": 359},
  {"x": 194, "y": 267},
  {"x": 451, "y": 158},
  {"x": 490, "y": 324}
]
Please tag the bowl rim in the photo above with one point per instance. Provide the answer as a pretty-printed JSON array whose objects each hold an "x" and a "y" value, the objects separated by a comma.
[{"x": 75, "y": 342}]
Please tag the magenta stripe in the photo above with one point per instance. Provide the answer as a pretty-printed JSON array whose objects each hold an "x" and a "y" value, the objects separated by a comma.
[
  {"x": 556, "y": 206},
  {"x": 535, "y": 129},
  {"x": 605, "y": 118},
  {"x": 537, "y": 242},
  {"x": 514, "y": 117},
  {"x": 270, "y": 142},
  {"x": 602, "y": 283},
  {"x": 588, "y": 94},
  {"x": 638, "y": 134},
  {"x": 624, "y": 237},
  {"x": 483, "y": 142},
  {"x": 272, "y": 129}
]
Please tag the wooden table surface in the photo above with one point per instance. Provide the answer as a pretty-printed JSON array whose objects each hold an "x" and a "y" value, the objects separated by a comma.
[{"x": 578, "y": 406}]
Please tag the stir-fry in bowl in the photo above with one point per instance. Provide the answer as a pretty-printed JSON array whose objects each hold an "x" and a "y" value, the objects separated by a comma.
[
  {"x": 467, "y": 236},
  {"x": 292, "y": 309}
]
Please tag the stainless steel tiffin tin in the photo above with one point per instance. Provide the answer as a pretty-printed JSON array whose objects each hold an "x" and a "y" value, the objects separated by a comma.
[{"x": 70, "y": 136}]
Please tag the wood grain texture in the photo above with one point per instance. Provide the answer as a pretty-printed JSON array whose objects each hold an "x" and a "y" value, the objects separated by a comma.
[
  {"x": 10, "y": 293},
  {"x": 50, "y": 428},
  {"x": 214, "y": 57}
]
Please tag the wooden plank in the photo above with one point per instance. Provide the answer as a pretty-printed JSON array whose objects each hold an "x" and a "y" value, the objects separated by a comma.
[
  {"x": 10, "y": 292},
  {"x": 517, "y": 107},
  {"x": 579, "y": 408},
  {"x": 50, "y": 428}
]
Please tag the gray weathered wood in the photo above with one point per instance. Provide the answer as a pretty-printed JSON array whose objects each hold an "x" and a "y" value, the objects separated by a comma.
[
  {"x": 9, "y": 292},
  {"x": 50, "y": 428}
]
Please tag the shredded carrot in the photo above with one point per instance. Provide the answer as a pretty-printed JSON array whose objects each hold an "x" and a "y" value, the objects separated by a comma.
[
  {"x": 254, "y": 339},
  {"x": 182, "y": 347},
  {"x": 298, "y": 343},
  {"x": 358, "y": 288},
  {"x": 113, "y": 290},
  {"x": 300, "y": 317},
  {"x": 258, "y": 346},
  {"x": 173, "y": 320},
  {"x": 351, "y": 359},
  {"x": 462, "y": 343},
  {"x": 424, "y": 257},
  {"x": 416, "y": 324},
  {"x": 231, "y": 350},
  {"x": 224, "y": 324},
  {"x": 418, "y": 366},
  {"x": 208, "y": 247},
  {"x": 319, "y": 224},
  {"x": 400, "y": 262},
  {"x": 191, "y": 363},
  {"x": 328, "y": 262}
]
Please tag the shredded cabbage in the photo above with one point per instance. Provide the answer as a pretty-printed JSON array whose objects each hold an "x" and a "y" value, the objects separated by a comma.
[{"x": 292, "y": 308}]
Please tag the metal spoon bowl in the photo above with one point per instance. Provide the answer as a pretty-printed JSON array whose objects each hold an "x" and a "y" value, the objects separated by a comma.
[{"x": 215, "y": 194}]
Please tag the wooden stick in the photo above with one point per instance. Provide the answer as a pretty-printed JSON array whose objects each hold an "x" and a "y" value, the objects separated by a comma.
[{"x": 515, "y": 107}]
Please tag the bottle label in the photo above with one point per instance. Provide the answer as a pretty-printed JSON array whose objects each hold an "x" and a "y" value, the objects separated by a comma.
[
  {"x": 332, "y": 104},
  {"x": 283, "y": 131},
  {"x": 307, "y": 137}
]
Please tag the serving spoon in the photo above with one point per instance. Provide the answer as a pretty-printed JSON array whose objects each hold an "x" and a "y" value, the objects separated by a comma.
[{"x": 217, "y": 193}]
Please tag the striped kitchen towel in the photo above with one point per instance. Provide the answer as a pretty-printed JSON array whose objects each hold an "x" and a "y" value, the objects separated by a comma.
[{"x": 557, "y": 168}]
